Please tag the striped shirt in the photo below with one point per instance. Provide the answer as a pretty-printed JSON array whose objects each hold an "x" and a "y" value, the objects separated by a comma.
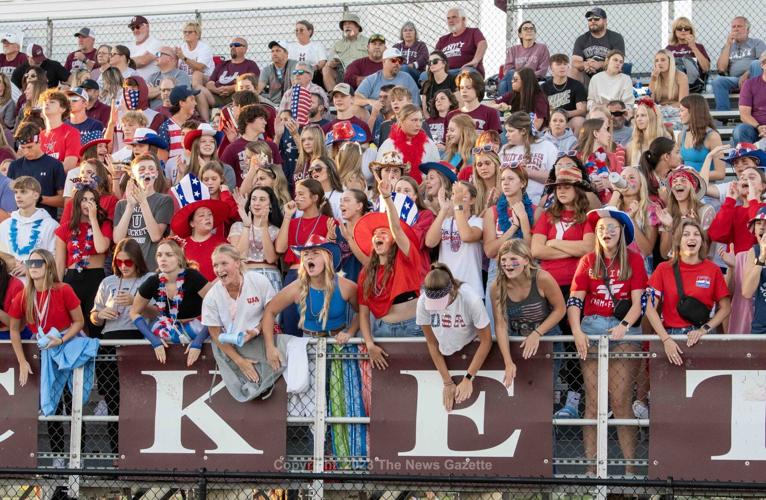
[{"x": 171, "y": 132}]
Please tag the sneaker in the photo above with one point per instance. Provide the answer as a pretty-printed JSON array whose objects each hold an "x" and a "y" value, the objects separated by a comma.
[
  {"x": 640, "y": 410},
  {"x": 101, "y": 409},
  {"x": 59, "y": 463},
  {"x": 567, "y": 411}
]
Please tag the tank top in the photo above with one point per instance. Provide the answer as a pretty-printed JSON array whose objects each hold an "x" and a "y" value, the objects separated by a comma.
[
  {"x": 759, "y": 312},
  {"x": 336, "y": 316},
  {"x": 527, "y": 314},
  {"x": 693, "y": 157}
]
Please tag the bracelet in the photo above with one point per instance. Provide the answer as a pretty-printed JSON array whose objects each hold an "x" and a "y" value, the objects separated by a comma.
[
  {"x": 538, "y": 333},
  {"x": 666, "y": 339},
  {"x": 759, "y": 262},
  {"x": 575, "y": 302},
  {"x": 386, "y": 197},
  {"x": 449, "y": 383}
]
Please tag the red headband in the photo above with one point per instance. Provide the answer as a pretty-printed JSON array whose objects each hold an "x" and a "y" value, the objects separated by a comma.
[
  {"x": 646, "y": 101},
  {"x": 689, "y": 177}
]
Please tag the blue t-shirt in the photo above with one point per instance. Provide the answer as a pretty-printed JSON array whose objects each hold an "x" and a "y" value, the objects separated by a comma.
[
  {"x": 90, "y": 130},
  {"x": 48, "y": 171},
  {"x": 370, "y": 86}
]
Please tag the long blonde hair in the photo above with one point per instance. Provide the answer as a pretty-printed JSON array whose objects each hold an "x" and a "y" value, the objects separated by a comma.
[
  {"x": 666, "y": 89},
  {"x": 317, "y": 137},
  {"x": 305, "y": 282},
  {"x": 482, "y": 193},
  {"x": 641, "y": 139},
  {"x": 466, "y": 139},
  {"x": 349, "y": 163},
  {"x": 641, "y": 216},
  {"x": 50, "y": 280},
  {"x": 502, "y": 282},
  {"x": 599, "y": 264}
]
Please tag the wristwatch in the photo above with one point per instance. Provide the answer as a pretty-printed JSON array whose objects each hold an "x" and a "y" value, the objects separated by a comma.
[
  {"x": 468, "y": 376},
  {"x": 625, "y": 324},
  {"x": 706, "y": 327}
]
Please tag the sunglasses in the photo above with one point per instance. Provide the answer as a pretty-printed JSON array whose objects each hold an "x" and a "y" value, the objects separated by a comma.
[
  {"x": 483, "y": 149},
  {"x": 297, "y": 72},
  {"x": 165, "y": 54},
  {"x": 528, "y": 28},
  {"x": 683, "y": 28},
  {"x": 510, "y": 164},
  {"x": 75, "y": 99},
  {"x": 397, "y": 60},
  {"x": 136, "y": 28},
  {"x": 594, "y": 19},
  {"x": 316, "y": 168},
  {"x": 618, "y": 113},
  {"x": 35, "y": 263},
  {"x": 434, "y": 61},
  {"x": 236, "y": 44},
  {"x": 126, "y": 262},
  {"x": 189, "y": 32}
]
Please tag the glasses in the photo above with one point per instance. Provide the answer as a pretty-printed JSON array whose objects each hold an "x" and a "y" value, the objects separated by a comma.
[
  {"x": 571, "y": 153},
  {"x": 528, "y": 28},
  {"x": 594, "y": 19},
  {"x": 510, "y": 164},
  {"x": 434, "y": 61},
  {"x": 608, "y": 228},
  {"x": 483, "y": 149},
  {"x": 136, "y": 28},
  {"x": 618, "y": 113},
  {"x": 297, "y": 72},
  {"x": 683, "y": 28},
  {"x": 190, "y": 32},
  {"x": 236, "y": 44},
  {"x": 35, "y": 263},
  {"x": 397, "y": 60},
  {"x": 125, "y": 263}
]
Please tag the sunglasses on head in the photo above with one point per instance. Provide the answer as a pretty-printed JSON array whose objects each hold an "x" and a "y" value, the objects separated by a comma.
[
  {"x": 297, "y": 72},
  {"x": 236, "y": 44},
  {"x": 35, "y": 263},
  {"x": 593, "y": 19},
  {"x": 126, "y": 262},
  {"x": 571, "y": 153},
  {"x": 483, "y": 149}
]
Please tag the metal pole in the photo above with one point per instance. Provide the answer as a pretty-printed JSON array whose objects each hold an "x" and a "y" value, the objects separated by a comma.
[
  {"x": 49, "y": 37},
  {"x": 320, "y": 407},
  {"x": 202, "y": 485},
  {"x": 75, "y": 431},
  {"x": 602, "y": 443}
]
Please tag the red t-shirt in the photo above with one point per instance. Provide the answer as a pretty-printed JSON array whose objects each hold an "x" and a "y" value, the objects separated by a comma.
[
  {"x": 62, "y": 300},
  {"x": 15, "y": 286},
  {"x": 402, "y": 280},
  {"x": 703, "y": 281},
  {"x": 298, "y": 234},
  {"x": 461, "y": 49},
  {"x": 731, "y": 225},
  {"x": 421, "y": 227},
  {"x": 201, "y": 252},
  {"x": 65, "y": 234},
  {"x": 597, "y": 299},
  {"x": 61, "y": 142},
  {"x": 107, "y": 201},
  {"x": 565, "y": 229},
  {"x": 359, "y": 69},
  {"x": 234, "y": 155},
  {"x": 484, "y": 117}
]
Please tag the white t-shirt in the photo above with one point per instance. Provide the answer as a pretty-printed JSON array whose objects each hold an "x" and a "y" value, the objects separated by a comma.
[
  {"x": 24, "y": 225},
  {"x": 333, "y": 197},
  {"x": 202, "y": 54},
  {"x": 455, "y": 326},
  {"x": 544, "y": 154},
  {"x": 465, "y": 263},
  {"x": 218, "y": 306},
  {"x": 311, "y": 53},
  {"x": 150, "y": 45}
]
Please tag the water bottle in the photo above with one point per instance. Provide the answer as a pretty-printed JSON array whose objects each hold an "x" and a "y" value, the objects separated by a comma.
[
  {"x": 617, "y": 181},
  {"x": 237, "y": 339}
]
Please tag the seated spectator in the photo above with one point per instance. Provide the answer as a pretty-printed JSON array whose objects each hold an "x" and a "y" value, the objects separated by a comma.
[
  {"x": 526, "y": 54},
  {"x": 390, "y": 74},
  {"x": 110, "y": 84},
  {"x": 647, "y": 126},
  {"x": 195, "y": 56},
  {"x": 351, "y": 47},
  {"x": 471, "y": 87},
  {"x": 11, "y": 56},
  {"x": 119, "y": 58},
  {"x": 166, "y": 87},
  {"x": 222, "y": 82},
  {"x": 398, "y": 98},
  {"x": 525, "y": 95},
  {"x": 414, "y": 51},
  {"x": 656, "y": 162},
  {"x": 103, "y": 54},
  {"x": 54, "y": 71},
  {"x": 167, "y": 65},
  {"x": 274, "y": 80},
  {"x": 566, "y": 93},
  {"x": 691, "y": 56},
  {"x": 382, "y": 112},
  {"x": 89, "y": 128},
  {"x": 621, "y": 131},
  {"x": 437, "y": 79},
  {"x": 444, "y": 102},
  {"x": 668, "y": 86},
  {"x": 699, "y": 136},
  {"x": 306, "y": 50},
  {"x": 591, "y": 49},
  {"x": 372, "y": 62},
  {"x": 752, "y": 108},
  {"x": 251, "y": 125},
  {"x": 459, "y": 142},
  {"x": 599, "y": 155},
  {"x": 301, "y": 76},
  {"x": 94, "y": 108},
  {"x": 85, "y": 55},
  {"x": 33, "y": 162},
  {"x": 735, "y": 62},
  {"x": 611, "y": 84},
  {"x": 59, "y": 140},
  {"x": 464, "y": 47},
  {"x": 7, "y": 105},
  {"x": 558, "y": 133},
  {"x": 144, "y": 47},
  {"x": 182, "y": 106}
]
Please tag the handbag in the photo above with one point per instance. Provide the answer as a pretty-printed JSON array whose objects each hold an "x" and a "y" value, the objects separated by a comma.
[
  {"x": 622, "y": 306},
  {"x": 689, "y": 308}
]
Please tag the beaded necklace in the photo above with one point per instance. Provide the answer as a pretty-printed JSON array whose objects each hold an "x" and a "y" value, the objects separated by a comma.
[
  {"x": 33, "y": 237},
  {"x": 298, "y": 230},
  {"x": 82, "y": 259},
  {"x": 167, "y": 322}
]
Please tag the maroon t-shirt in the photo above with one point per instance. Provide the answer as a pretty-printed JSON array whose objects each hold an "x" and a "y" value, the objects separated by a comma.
[
  {"x": 234, "y": 155},
  {"x": 683, "y": 50},
  {"x": 461, "y": 49},
  {"x": 327, "y": 127},
  {"x": 484, "y": 117},
  {"x": 227, "y": 72},
  {"x": 7, "y": 67},
  {"x": 359, "y": 69},
  {"x": 100, "y": 112},
  {"x": 72, "y": 63}
]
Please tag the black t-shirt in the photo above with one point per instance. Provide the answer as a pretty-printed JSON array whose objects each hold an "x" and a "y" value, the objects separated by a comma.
[
  {"x": 430, "y": 90},
  {"x": 53, "y": 69},
  {"x": 191, "y": 305},
  {"x": 589, "y": 47},
  {"x": 565, "y": 98},
  {"x": 48, "y": 171}
]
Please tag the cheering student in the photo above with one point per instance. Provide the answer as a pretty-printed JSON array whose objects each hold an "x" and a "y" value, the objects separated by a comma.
[
  {"x": 177, "y": 291},
  {"x": 753, "y": 281},
  {"x": 605, "y": 299},
  {"x": 452, "y": 316},
  {"x": 687, "y": 287},
  {"x": 687, "y": 188}
]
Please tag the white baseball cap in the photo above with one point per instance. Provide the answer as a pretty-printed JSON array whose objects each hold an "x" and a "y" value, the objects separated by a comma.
[
  {"x": 392, "y": 53},
  {"x": 13, "y": 37}
]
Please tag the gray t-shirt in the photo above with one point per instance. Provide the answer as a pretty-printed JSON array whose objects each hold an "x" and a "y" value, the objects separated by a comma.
[
  {"x": 370, "y": 86},
  {"x": 622, "y": 136},
  {"x": 742, "y": 54},
  {"x": 277, "y": 81},
  {"x": 161, "y": 206},
  {"x": 180, "y": 77},
  {"x": 107, "y": 290}
]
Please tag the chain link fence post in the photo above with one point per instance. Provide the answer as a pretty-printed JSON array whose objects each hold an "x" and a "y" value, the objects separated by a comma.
[
  {"x": 320, "y": 397},
  {"x": 202, "y": 485},
  {"x": 75, "y": 431},
  {"x": 49, "y": 36},
  {"x": 602, "y": 442}
]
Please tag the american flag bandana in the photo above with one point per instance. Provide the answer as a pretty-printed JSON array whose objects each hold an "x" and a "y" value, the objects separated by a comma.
[
  {"x": 90, "y": 135},
  {"x": 131, "y": 98},
  {"x": 300, "y": 104}
]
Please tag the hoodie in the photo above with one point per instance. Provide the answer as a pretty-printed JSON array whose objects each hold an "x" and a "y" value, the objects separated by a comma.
[
  {"x": 565, "y": 143},
  {"x": 24, "y": 225},
  {"x": 128, "y": 105}
]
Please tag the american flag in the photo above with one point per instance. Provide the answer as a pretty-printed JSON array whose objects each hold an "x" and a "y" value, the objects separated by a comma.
[
  {"x": 90, "y": 135},
  {"x": 131, "y": 98},
  {"x": 300, "y": 104}
]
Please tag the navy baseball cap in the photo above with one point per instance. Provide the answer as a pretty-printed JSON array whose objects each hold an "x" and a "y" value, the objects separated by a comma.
[
  {"x": 596, "y": 12},
  {"x": 180, "y": 93}
]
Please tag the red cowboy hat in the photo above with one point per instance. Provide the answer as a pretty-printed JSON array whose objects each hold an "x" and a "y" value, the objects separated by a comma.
[
  {"x": 90, "y": 144},
  {"x": 203, "y": 129},
  {"x": 366, "y": 226}
]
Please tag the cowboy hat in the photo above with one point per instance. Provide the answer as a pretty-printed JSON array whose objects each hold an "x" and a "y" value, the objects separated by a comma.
[
  {"x": 390, "y": 159},
  {"x": 317, "y": 241},
  {"x": 202, "y": 129},
  {"x": 369, "y": 223},
  {"x": 619, "y": 216}
]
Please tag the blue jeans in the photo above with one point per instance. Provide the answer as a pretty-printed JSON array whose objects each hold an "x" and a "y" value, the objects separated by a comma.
[
  {"x": 290, "y": 315},
  {"x": 744, "y": 133},
  {"x": 755, "y": 69},
  {"x": 504, "y": 85},
  {"x": 406, "y": 328},
  {"x": 722, "y": 87},
  {"x": 600, "y": 325}
]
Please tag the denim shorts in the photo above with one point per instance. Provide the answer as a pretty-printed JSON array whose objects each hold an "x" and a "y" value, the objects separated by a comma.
[
  {"x": 273, "y": 275},
  {"x": 679, "y": 331},
  {"x": 600, "y": 325},
  {"x": 407, "y": 328}
]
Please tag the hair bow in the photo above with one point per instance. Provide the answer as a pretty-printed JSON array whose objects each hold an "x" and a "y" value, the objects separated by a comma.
[
  {"x": 80, "y": 183},
  {"x": 646, "y": 101}
]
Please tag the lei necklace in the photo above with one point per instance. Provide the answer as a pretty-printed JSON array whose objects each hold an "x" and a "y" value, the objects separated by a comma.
[
  {"x": 166, "y": 323},
  {"x": 33, "y": 237},
  {"x": 81, "y": 259}
]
